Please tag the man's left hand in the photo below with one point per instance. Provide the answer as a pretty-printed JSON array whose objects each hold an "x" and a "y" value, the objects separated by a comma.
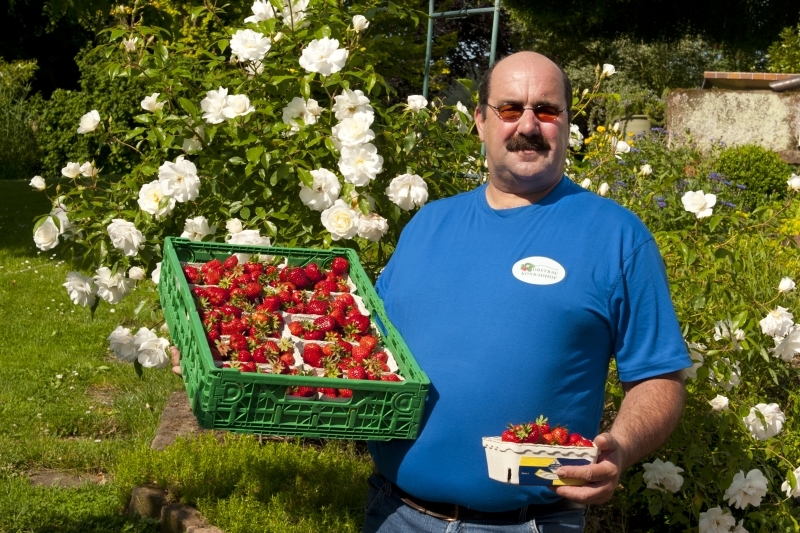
[{"x": 601, "y": 478}]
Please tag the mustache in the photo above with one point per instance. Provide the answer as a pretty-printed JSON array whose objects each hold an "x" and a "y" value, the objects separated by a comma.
[{"x": 533, "y": 142}]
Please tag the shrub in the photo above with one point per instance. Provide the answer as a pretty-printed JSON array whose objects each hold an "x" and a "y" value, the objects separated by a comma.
[
  {"x": 18, "y": 150},
  {"x": 784, "y": 54},
  {"x": 760, "y": 170}
]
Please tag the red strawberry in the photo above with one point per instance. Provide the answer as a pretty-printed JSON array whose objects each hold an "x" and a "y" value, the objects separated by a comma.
[
  {"x": 287, "y": 358},
  {"x": 329, "y": 392},
  {"x": 192, "y": 274},
  {"x": 574, "y": 438},
  {"x": 561, "y": 436},
  {"x": 346, "y": 299},
  {"x": 296, "y": 329},
  {"x": 232, "y": 325},
  {"x": 238, "y": 341},
  {"x": 313, "y": 272},
  {"x": 230, "y": 310},
  {"x": 305, "y": 391},
  {"x": 244, "y": 356},
  {"x": 369, "y": 342},
  {"x": 248, "y": 366},
  {"x": 317, "y": 307},
  {"x": 299, "y": 278},
  {"x": 271, "y": 303},
  {"x": 252, "y": 267},
  {"x": 325, "y": 323},
  {"x": 312, "y": 354},
  {"x": 272, "y": 348},
  {"x": 586, "y": 443},
  {"x": 360, "y": 322},
  {"x": 342, "y": 286},
  {"x": 214, "y": 264},
  {"x": 253, "y": 290},
  {"x": 390, "y": 377},
  {"x": 345, "y": 393},
  {"x": 217, "y": 296},
  {"x": 509, "y": 436},
  {"x": 338, "y": 316},
  {"x": 212, "y": 336},
  {"x": 298, "y": 297},
  {"x": 326, "y": 285},
  {"x": 314, "y": 335},
  {"x": 356, "y": 372},
  {"x": 230, "y": 262},
  {"x": 212, "y": 277},
  {"x": 383, "y": 358},
  {"x": 340, "y": 266},
  {"x": 548, "y": 438},
  {"x": 544, "y": 427},
  {"x": 360, "y": 352},
  {"x": 259, "y": 355}
]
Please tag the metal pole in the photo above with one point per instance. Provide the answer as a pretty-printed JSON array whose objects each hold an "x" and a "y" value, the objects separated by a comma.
[
  {"x": 495, "y": 29},
  {"x": 428, "y": 51}
]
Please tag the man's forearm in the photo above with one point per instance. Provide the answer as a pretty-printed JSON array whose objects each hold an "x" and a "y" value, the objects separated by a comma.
[{"x": 648, "y": 415}]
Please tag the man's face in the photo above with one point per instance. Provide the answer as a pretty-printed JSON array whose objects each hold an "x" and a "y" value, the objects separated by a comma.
[{"x": 525, "y": 156}]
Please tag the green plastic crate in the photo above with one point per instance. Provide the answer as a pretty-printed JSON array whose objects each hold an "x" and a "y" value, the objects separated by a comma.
[{"x": 223, "y": 398}]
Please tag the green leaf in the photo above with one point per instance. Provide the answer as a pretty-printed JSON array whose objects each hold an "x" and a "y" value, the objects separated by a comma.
[
  {"x": 714, "y": 222},
  {"x": 306, "y": 177},
  {"x": 237, "y": 160},
  {"x": 261, "y": 213},
  {"x": 409, "y": 141},
  {"x": 222, "y": 44},
  {"x": 188, "y": 106},
  {"x": 161, "y": 52},
  {"x": 329, "y": 145},
  {"x": 254, "y": 153},
  {"x": 363, "y": 205},
  {"x": 245, "y": 212}
]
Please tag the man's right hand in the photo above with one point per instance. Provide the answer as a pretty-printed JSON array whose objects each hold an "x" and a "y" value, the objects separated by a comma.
[{"x": 176, "y": 360}]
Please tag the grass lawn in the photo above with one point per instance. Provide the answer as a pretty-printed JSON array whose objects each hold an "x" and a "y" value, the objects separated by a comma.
[{"x": 67, "y": 404}]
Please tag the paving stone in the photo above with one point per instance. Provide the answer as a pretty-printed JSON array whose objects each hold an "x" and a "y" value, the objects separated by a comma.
[
  {"x": 178, "y": 518},
  {"x": 57, "y": 478},
  {"x": 207, "y": 529},
  {"x": 147, "y": 501},
  {"x": 177, "y": 420}
]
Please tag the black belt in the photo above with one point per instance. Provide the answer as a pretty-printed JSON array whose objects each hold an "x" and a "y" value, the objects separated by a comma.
[{"x": 451, "y": 512}]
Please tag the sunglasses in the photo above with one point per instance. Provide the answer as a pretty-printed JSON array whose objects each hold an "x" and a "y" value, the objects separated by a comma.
[{"x": 513, "y": 112}]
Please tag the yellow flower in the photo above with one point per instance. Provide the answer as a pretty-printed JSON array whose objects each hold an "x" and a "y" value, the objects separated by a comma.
[
  {"x": 601, "y": 129},
  {"x": 587, "y": 140},
  {"x": 630, "y": 143}
]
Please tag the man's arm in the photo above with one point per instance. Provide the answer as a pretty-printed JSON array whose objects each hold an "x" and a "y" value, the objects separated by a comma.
[{"x": 648, "y": 415}]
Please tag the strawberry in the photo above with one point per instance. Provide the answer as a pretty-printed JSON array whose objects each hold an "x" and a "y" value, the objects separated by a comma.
[
  {"x": 325, "y": 323},
  {"x": 313, "y": 272},
  {"x": 509, "y": 436},
  {"x": 238, "y": 341},
  {"x": 326, "y": 285},
  {"x": 253, "y": 290},
  {"x": 230, "y": 310},
  {"x": 561, "y": 436},
  {"x": 345, "y": 393},
  {"x": 383, "y": 358},
  {"x": 521, "y": 433},
  {"x": 299, "y": 278},
  {"x": 305, "y": 391},
  {"x": 390, "y": 377},
  {"x": 217, "y": 296},
  {"x": 259, "y": 355},
  {"x": 248, "y": 366},
  {"x": 214, "y": 264},
  {"x": 232, "y": 325},
  {"x": 230, "y": 262},
  {"x": 212, "y": 277},
  {"x": 548, "y": 438},
  {"x": 586, "y": 443},
  {"x": 312, "y": 354},
  {"x": 271, "y": 303},
  {"x": 360, "y": 352},
  {"x": 328, "y": 392},
  {"x": 574, "y": 438},
  {"x": 346, "y": 299},
  {"x": 314, "y": 334},
  {"x": 287, "y": 358},
  {"x": 369, "y": 342},
  {"x": 212, "y": 336},
  {"x": 338, "y": 316},
  {"x": 252, "y": 267},
  {"x": 298, "y": 297},
  {"x": 360, "y": 323},
  {"x": 356, "y": 372},
  {"x": 271, "y": 348},
  {"x": 317, "y": 307},
  {"x": 192, "y": 274},
  {"x": 296, "y": 329},
  {"x": 342, "y": 286},
  {"x": 340, "y": 266},
  {"x": 544, "y": 427},
  {"x": 243, "y": 356}
]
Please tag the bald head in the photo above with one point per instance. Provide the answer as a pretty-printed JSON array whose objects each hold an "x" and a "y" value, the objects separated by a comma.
[{"x": 509, "y": 62}]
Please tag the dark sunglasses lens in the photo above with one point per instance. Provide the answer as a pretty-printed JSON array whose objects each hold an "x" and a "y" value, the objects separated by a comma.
[
  {"x": 510, "y": 111},
  {"x": 546, "y": 113}
]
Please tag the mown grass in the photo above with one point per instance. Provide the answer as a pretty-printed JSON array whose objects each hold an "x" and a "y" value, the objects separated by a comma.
[{"x": 67, "y": 404}]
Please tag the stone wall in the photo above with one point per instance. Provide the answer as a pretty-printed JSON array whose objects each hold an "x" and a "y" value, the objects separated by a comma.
[{"x": 766, "y": 118}]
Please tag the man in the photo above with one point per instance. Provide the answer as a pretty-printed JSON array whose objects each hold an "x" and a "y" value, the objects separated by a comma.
[{"x": 513, "y": 298}]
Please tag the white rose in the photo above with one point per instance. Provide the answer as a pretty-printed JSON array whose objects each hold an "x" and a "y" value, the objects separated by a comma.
[
  {"x": 72, "y": 170},
  {"x": 152, "y": 350},
  {"x": 254, "y": 68},
  {"x": 294, "y": 12},
  {"x": 89, "y": 121},
  {"x": 698, "y": 203},
  {"x": 575, "y": 137},
  {"x": 262, "y": 10},
  {"x": 586, "y": 183},
  {"x": 794, "y": 182},
  {"x": 197, "y": 228},
  {"x": 697, "y": 360},
  {"x": 237, "y": 105},
  {"x": 249, "y": 45},
  {"x": 130, "y": 44},
  {"x": 360, "y": 23},
  {"x": 89, "y": 170},
  {"x": 340, "y": 221},
  {"x": 416, "y": 103},
  {"x": 234, "y": 225},
  {"x": 352, "y": 103},
  {"x": 125, "y": 236},
  {"x": 719, "y": 403},
  {"x": 277, "y": 37},
  {"x": 46, "y": 235},
  {"x": 323, "y": 56},
  {"x": 151, "y": 103},
  {"x": 121, "y": 342},
  {"x": 299, "y": 108},
  {"x": 787, "y": 487},
  {"x": 112, "y": 288},
  {"x": 360, "y": 164},
  {"x": 645, "y": 170},
  {"x": 608, "y": 70},
  {"x": 788, "y": 346},
  {"x": 353, "y": 131},
  {"x": 777, "y": 322},
  {"x": 179, "y": 179},
  {"x": 323, "y": 192},
  {"x": 739, "y": 528},
  {"x": 213, "y": 104},
  {"x": 136, "y": 273},
  {"x": 66, "y": 227},
  {"x": 716, "y": 520},
  {"x": 153, "y": 200},
  {"x": 747, "y": 490},
  {"x": 603, "y": 190},
  {"x": 622, "y": 148},
  {"x": 372, "y": 227},
  {"x": 615, "y": 127},
  {"x": 786, "y": 285},
  {"x": 408, "y": 191},
  {"x": 192, "y": 145},
  {"x": 155, "y": 275},
  {"x": 247, "y": 236},
  {"x": 37, "y": 182},
  {"x": 772, "y": 424},
  {"x": 663, "y": 476},
  {"x": 80, "y": 289}
]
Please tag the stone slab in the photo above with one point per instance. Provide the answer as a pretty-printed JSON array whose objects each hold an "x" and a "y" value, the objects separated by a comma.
[
  {"x": 177, "y": 420},
  {"x": 147, "y": 501},
  {"x": 178, "y": 518},
  {"x": 207, "y": 529},
  {"x": 57, "y": 478}
]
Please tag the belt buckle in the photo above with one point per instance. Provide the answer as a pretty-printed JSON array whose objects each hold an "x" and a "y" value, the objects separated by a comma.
[{"x": 428, "y": 512}]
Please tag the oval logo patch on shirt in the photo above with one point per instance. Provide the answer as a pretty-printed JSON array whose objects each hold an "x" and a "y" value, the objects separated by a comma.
[{"x": 538, "y": 271}]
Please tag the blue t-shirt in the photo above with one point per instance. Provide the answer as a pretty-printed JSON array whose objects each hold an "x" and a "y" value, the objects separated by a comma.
[{"x": 515, "y": 313}]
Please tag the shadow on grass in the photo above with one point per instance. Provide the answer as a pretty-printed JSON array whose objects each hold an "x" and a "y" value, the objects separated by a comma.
[{"x": 19, "y": 205}]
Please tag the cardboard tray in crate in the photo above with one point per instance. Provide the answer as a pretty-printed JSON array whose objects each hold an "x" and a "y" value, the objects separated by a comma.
[{"x": 224, "y": 398}]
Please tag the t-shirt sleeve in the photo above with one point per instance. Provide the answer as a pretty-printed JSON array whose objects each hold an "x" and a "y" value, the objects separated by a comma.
[{"x": 647, "y": 337}]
